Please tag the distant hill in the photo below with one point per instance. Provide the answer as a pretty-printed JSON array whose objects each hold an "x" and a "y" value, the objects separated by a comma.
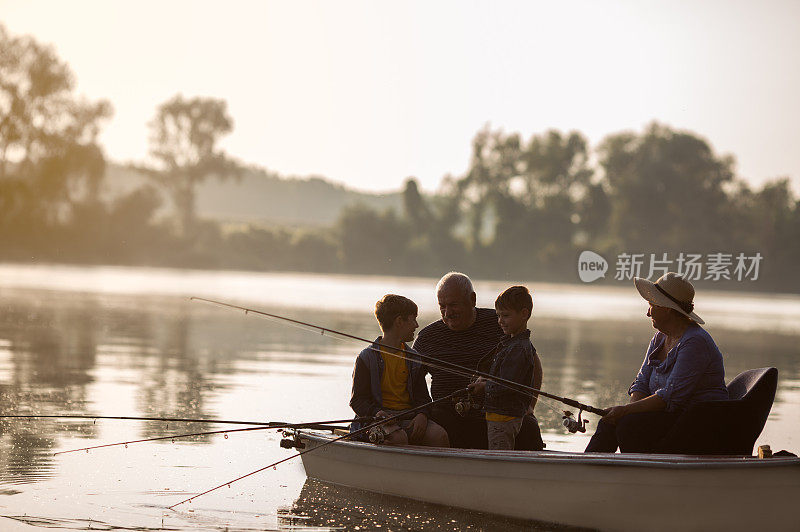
[{"x": 264, "y": 198}]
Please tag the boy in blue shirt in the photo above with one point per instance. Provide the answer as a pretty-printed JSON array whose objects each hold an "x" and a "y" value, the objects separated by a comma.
[{"x": 513, "y": 359}]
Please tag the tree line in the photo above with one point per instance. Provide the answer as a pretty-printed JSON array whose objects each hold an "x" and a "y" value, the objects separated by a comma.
[{"x": 524, "y": 209}]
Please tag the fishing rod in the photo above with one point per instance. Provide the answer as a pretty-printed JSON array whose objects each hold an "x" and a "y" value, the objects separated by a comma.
[
  {"x": 431, "y": 361},
  {"x": 323, "y": 425},
  {"x": 166, "y": 419},
  {"x": 382, "y": 421}
]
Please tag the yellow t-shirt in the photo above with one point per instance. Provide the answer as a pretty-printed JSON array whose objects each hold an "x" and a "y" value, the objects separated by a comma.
[
  {"x": 394, "y": 381},
  {"x": 498, "y": 418}
]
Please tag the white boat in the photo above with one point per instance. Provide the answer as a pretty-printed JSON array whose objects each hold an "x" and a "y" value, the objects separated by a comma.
[{"x": 600, "y": 491}]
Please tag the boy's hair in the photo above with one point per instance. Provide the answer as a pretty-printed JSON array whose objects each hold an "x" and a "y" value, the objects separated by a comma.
[
  {"x": 515, "y": 298},
  {"x": 390, "y": 307}
]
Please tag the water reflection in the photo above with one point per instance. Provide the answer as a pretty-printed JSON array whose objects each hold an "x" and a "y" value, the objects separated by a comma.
[
  {"x": 177, "y": 382},
  {"x": 46, "y": 358},
  {"x": 104, "y": 354},
  {"x": 323, "y": 506},
  {"x": 66, "y": 353}
]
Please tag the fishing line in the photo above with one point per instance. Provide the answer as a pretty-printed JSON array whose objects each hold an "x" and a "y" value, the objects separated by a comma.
[
  {"x": 463, "y": 372},
  {"x": 431, "y": 361},
  {"x": 383, "y": 421},
  {"x": 341, "y": 336},
  {"x": 320, "y": 425},
  {"x": 548, "y": 402},
  {"x": 471, "y": 374},
  {"x": 165, "y": 419},
  {"x": 125, "y": 443}
]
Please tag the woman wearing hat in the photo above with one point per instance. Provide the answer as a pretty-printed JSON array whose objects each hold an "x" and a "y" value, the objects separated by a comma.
[{"x": 682, "y": 366}]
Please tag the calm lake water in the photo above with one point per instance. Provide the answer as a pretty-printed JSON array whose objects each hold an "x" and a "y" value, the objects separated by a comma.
[{"x": 128, "y": 342}]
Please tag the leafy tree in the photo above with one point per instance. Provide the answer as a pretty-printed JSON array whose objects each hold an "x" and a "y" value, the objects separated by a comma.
[
  {"x": 523, "y": 201},
  {"x": 185, "y": 133},
  {"x": 555, "y": 165},
  {"x": 32, "y": 83},
  {"x": 554, "y": 188},
  {"x": 259, "y": 249},
  {"x": 496, "y": 160},
  {"x": 314, "y": 250},
  {"x": 594, "y": 211},
  {"x": 666, "y": 190},
  {"x": 432, "y": 246},
  {"x": 48, "y": 137},
  {"x": 767, "y": 221},
  {"x": 373, "y": 241},
  {"x": 414, "y": 205},
  {"x": 133, "y": 234}
]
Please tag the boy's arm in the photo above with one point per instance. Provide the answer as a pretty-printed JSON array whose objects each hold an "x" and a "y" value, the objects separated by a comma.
[
  {"x": 485, "y": 362},
  {"x": 537, "y": 379},
  {"x": 361, "y": 400},
  {"x": 514, "y": 367}
]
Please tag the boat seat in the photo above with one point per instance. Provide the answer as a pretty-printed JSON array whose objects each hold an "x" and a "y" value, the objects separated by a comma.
[{"x": 728, "y": 427}]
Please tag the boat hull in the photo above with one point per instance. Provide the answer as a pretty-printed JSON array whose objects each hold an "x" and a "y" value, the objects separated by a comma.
[{"x": 601, "y": 491}]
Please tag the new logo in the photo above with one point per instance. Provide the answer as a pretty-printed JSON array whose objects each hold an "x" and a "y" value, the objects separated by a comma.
[{"x": 591, "y": 266}]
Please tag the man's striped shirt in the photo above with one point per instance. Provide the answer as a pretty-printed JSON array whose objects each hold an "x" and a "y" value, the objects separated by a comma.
[{"x": 464, "y": 348}]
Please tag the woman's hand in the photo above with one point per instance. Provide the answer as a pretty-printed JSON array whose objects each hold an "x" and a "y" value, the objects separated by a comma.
[
  {"x": 653, "y": 403},
  {"x": 418, "y": 426},
  {"x": 615, "y": 413}
]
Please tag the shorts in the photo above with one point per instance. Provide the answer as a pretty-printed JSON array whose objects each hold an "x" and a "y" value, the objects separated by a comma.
[{"x": 501, "y": 434}]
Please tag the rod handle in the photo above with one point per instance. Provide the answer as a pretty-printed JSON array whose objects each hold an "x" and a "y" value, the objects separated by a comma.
[{"x": 587, "y": 408}]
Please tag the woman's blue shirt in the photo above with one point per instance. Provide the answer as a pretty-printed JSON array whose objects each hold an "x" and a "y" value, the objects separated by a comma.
[{"x": 692, "y": 371}]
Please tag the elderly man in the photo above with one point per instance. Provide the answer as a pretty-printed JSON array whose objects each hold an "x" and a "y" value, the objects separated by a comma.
[{"x": 463, "y": 336}]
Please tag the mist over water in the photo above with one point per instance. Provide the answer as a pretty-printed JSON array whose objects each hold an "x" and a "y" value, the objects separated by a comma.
[
  {"x": 127, "y": 341},
  {"x": 740, "y": 310}
]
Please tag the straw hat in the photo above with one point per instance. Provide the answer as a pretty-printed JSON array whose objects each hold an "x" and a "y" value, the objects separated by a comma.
[{"x": 671, "y": 291}]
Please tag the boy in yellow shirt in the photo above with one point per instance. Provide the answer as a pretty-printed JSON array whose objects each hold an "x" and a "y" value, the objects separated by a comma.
[{"x": 388, "y": 377}]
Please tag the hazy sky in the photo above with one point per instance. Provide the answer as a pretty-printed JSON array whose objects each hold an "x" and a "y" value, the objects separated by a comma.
[{"x": 369, "y": 93}]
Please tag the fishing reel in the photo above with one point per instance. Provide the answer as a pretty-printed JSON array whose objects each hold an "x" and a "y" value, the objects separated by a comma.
[
  {"x": 465, "y": 401},
  {"x": 574, "y": 425},
  {"x": 463, "y": 406},
  {"x": 376, "y": 435},
  {"x": 291, "y": 440}
]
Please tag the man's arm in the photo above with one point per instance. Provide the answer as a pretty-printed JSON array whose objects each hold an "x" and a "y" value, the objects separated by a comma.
[
  {"x": 421, "y": 347},
  {"x": 420, "y": 388}
]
